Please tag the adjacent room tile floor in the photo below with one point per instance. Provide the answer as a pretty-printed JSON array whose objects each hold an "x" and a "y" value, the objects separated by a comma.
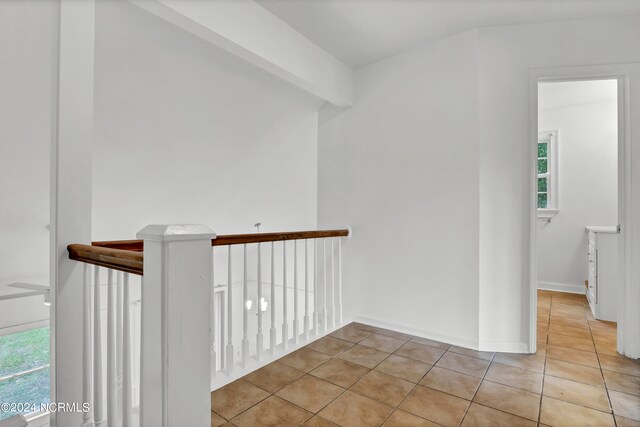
[{"x": 365, "y": 376}]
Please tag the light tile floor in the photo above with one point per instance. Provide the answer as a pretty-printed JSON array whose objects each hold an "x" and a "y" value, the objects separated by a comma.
[{"x": 366, "y": 376}]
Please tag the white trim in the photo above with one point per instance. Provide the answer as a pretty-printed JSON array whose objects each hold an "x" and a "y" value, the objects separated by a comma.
[
  {"x": 596, "y": 229},
  {"x": 533, "y": 209},
  {"x": 422, "y": 333},
  {"x": 562, "y": 287},
  {"x": 547, "y": 213},
  {"x": 504, "y": 346},
  {"x": 628, "y": 341},
  {"x": 496, "y": 346},
  {"x": 70, "y": 200}
]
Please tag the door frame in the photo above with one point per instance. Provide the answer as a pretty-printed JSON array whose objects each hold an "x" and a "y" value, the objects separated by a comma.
[{"x": 628, "y": 342}]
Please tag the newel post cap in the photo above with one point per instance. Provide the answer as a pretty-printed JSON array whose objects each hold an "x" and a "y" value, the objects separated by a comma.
[{"x": 175, "y": 232}]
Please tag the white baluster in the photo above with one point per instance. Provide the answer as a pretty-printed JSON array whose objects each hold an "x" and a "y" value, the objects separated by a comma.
[
  {"x": 97, "y": 352},
  {"x": 339, "y": 281},
  {"x": 222, "y": 302},
  {"x": 259, "y": 337},
  {"x": 285, "y": 324},
  {"x": 296, "y": 329},
  {"x": 136, "y": 353},
  {"x": 111, "y": 352},
  {"x": 324, "y": 285},
  {"x": 245, "y": 311},
  {"x": 212, "y": 317},
  {"x": 316, "y": 303},
  {"x": 86, "y": 343},
  {"x": 222, "y": 299},
  {"x": 119, "y": 354},
  {"x": 306, "y": 289},
  {"x": 229, "y": 360},
  {"x": 333, "y": 284},
  {"x": 126, "y": 355},
  {"x": 272, "y": 329}
]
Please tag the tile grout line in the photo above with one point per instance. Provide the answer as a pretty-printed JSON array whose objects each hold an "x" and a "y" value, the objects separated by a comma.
[
  {"x": 606, "y": 388},
  {"x": 309, "y": 373},
  {"x": 541, "y": 393},
  {"x": 274, "y": 394},
  {"x": 335, "y": 356},
  {"x": 577, "y": 381},
  {"x": 408, "y": 338},
  {"x": 242, "y": 412},
  {"x": 413, "y": 388},
  {"x": 479, "y": 385},
  {"x": 482, "y": 380},
  {"x": 416, "y": 384},
  {"x": 353, "y": 344},
  {"x": 544, "y": 367},
  {"x": 370, "y": 369},
  {"x": 433, "y": 365}
]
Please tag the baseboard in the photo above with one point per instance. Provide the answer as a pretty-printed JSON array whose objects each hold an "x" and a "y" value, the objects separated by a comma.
[
  {"x": 497, "y": 346},
  {"x": 422, "y": 333},
  {"x": 504, "y": 347},
  {"x": 561, "y": 287},
  {"x": 221, "y": 378}
]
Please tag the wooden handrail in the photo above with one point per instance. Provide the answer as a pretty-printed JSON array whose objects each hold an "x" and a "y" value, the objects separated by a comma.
[
  {"x": 125, "y": 245},
  {"x": 235, "y": 239},
  {"x": 127, "y": 255},
  {"x": 116, "y": 259}
]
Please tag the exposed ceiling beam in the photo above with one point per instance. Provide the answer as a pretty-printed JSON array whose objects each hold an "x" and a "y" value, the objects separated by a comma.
[{"x": 249, "y": 31}]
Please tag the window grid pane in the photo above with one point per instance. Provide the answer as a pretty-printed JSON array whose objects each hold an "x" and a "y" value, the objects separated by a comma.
[
  {"x": 543, "y": 149},
  {"x": 542, "y": 185},
  {"x": 542, "y": 200},
  {"x": 542, "y": 166},
  {"x": 544, "y": 178}
]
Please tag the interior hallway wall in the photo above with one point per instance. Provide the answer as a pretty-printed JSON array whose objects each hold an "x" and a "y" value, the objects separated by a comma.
[
  {"x": 401, "y": 168},
  {"x": 585, "y": 115},
  {"x": 185, "y": 133},
  {"x": 25, "y": 139},
  {"x": 432, "y": 169},
  {"x": 508, "y": 55}
]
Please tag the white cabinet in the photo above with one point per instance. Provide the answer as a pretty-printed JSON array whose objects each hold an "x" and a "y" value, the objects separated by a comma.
[{"x": 602, "y": 288}]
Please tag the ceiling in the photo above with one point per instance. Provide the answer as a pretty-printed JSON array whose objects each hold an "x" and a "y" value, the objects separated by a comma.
[
  {"x": 563, "y": 94},
  {"x": 360, "y": 32}
]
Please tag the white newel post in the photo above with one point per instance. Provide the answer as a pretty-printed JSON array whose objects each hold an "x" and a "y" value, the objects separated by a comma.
[
  {"x": 175, "y": 352},
  {"x": 71, "y": 145}
]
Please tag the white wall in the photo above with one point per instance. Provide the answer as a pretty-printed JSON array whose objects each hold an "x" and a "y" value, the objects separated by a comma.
[
  {"x": 187, "y": 134},
  {"x": 588, "y": 175},
  {"x": 432, "y": 168},
  {"x": 508, "y": 54},
  {"x": 400, "y": 168},
  {"x": 25, "y": 135}
]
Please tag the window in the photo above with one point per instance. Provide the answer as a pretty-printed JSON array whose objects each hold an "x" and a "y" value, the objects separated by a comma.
[
  {"x": 24, "y": 368},
  {"x": 547, "y": 174}
]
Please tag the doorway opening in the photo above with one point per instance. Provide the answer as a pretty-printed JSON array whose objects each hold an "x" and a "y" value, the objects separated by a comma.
[{"x": 577, "y": 214}]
